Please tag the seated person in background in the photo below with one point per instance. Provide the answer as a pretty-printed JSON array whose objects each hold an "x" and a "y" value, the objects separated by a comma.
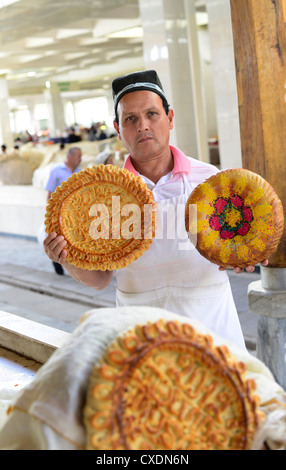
[
  {"x": 102, "y": 135},
  {"x": 73, "y": 137}
]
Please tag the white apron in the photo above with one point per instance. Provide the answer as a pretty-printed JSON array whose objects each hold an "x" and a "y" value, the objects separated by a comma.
[{"x": 172, "y": 275}]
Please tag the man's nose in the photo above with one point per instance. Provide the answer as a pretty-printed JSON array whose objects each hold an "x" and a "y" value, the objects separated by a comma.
[{"x": 142, "y": 124}]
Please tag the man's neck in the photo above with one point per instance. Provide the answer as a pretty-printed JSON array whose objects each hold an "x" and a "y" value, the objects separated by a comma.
[
  {"x": 72, "y": 169},
  {"x": 156, "y": 168}
]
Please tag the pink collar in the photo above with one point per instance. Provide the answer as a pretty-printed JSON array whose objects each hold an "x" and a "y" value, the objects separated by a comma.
[{"x": 181, "y": 163}]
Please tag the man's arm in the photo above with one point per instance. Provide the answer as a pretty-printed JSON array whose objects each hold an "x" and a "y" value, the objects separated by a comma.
[{"x": 55, "y": 249}]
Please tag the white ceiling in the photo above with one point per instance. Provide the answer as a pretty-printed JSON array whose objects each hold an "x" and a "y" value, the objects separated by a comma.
[{"x": 68, "y": 41}]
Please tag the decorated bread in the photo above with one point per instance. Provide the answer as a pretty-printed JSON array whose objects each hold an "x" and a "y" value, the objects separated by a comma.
[
  {"x": 101, "y": 212},
  {"x": 164, "y": 386},
  {"x": 239, "y": 219}
]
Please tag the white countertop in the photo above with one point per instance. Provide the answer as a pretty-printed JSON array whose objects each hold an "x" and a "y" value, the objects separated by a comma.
[{"x": 16, "y": 372}]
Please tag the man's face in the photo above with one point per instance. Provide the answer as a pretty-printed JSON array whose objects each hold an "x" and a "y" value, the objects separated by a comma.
[
  {"x": 75, "y": 158},
  {"x": 143, "y": 126}
]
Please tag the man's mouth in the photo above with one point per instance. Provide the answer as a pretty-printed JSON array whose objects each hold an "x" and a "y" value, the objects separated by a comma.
[{"x": 144, "y": 139}]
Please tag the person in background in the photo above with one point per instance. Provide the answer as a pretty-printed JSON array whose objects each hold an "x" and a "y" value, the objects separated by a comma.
[
  {"x": 16, "y": 150},
  {"x": 73, "y": 137},
  {"x": 61, "y": 173},
  {"x": 105, "y": 157},
  {"x": 4, "y": 149},
  {"x": 102, "y": 134},
  {"x": 93, "y": 132},
  {"x": 62, "y": 145}
]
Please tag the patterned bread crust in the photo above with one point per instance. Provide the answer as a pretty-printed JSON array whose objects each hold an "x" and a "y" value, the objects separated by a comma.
[
  {"x": 73, "y": 206},
  {"x": 240, "y": 218},
  {"x": 164, "y": 386}
]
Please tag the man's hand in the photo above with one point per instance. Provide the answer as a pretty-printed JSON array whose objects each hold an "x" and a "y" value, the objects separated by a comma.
[
  {"x": 249, "y": 269},
  {"x": 54, "y": 247}
]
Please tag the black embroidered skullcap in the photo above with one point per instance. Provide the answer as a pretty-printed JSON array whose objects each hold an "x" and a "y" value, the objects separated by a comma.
[{"x": 145, "y": 80}]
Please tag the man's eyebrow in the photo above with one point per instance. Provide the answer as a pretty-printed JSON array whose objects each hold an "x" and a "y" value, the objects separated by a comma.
[{"x": 153, "y": 108}]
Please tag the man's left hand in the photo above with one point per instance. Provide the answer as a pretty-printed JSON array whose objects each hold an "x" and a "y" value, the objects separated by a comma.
[{"x": 249, "y": 269}]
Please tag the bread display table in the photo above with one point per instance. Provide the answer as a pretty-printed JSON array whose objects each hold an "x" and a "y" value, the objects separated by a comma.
[{"x": 49, "y": 413}]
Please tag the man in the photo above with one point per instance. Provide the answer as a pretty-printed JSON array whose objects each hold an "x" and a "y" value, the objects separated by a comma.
[
  {"x": 181, "y": 281},
  {"x": 64, "y": 170},
  {"x": 59, "y": 174}
]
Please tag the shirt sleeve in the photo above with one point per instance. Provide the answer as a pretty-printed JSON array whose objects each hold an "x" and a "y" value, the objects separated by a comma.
[{"x": 52, "y": 181}]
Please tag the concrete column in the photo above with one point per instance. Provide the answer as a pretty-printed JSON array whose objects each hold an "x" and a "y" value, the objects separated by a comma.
[
  {"x": 168, "y": 29},
  {"x": 31, "y": 106},
  {"x": 195, "y": 68},
  {"x": 55, "y": 109},
  {"x": 110, "y": 103},
  {"x": 267, "y": 299},
  {"x": 5, "y": 132},
  {"x": 224, "y": 76}
]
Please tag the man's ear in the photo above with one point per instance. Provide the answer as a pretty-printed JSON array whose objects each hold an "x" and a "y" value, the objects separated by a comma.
[
  {"x": 171, "y": 118},
  {"x": 116, "y": 127}
]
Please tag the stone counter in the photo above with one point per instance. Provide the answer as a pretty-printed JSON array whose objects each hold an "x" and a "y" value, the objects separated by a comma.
[{"x": 24, "y": 346}]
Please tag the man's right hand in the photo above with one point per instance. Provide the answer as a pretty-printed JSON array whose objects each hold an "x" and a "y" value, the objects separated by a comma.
[{"x": 54, "y": 247}]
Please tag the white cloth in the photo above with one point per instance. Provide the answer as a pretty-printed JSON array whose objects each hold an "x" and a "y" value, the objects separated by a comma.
[
  {"x": 172, "y": 274},
  {"x": 42, "y": 235},
  {"x": 48, "y": 413}
]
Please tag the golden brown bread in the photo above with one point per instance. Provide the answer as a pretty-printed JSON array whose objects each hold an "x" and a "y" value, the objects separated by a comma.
[
  {"x": 240, "y": 218},
  {"x": 91, "y": 211},
  {"x": 164, "y": 386}
]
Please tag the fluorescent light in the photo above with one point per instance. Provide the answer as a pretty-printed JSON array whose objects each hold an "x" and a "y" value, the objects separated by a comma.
[
  {"x": 38, "y": 42},
  {"x": 135, "y": 32},
  {"x": 6, "y": 3},
  {"x": 92, "y": 41},
  {"x": 29, "y": 58},
  {"x": 201, "y": 18},
  {"x": 69, "y": 33},
  {"x": 75, "y": 55}
]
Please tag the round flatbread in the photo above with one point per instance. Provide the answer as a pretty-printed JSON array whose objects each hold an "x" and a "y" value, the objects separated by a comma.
[
  {"x": 107, "y": 216},
  {"x": 239, "y": 218},
  {"x": 164, "y": 386}
]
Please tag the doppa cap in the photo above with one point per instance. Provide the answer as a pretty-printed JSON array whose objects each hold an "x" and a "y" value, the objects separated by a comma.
[{"x": 146, "y": 80}]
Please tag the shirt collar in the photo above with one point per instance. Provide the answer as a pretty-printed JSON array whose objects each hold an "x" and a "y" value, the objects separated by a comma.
[{"x": 182, "y": 164}]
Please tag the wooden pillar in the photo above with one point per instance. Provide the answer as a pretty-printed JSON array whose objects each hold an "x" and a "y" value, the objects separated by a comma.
[{"x": 260, "y": 56}]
